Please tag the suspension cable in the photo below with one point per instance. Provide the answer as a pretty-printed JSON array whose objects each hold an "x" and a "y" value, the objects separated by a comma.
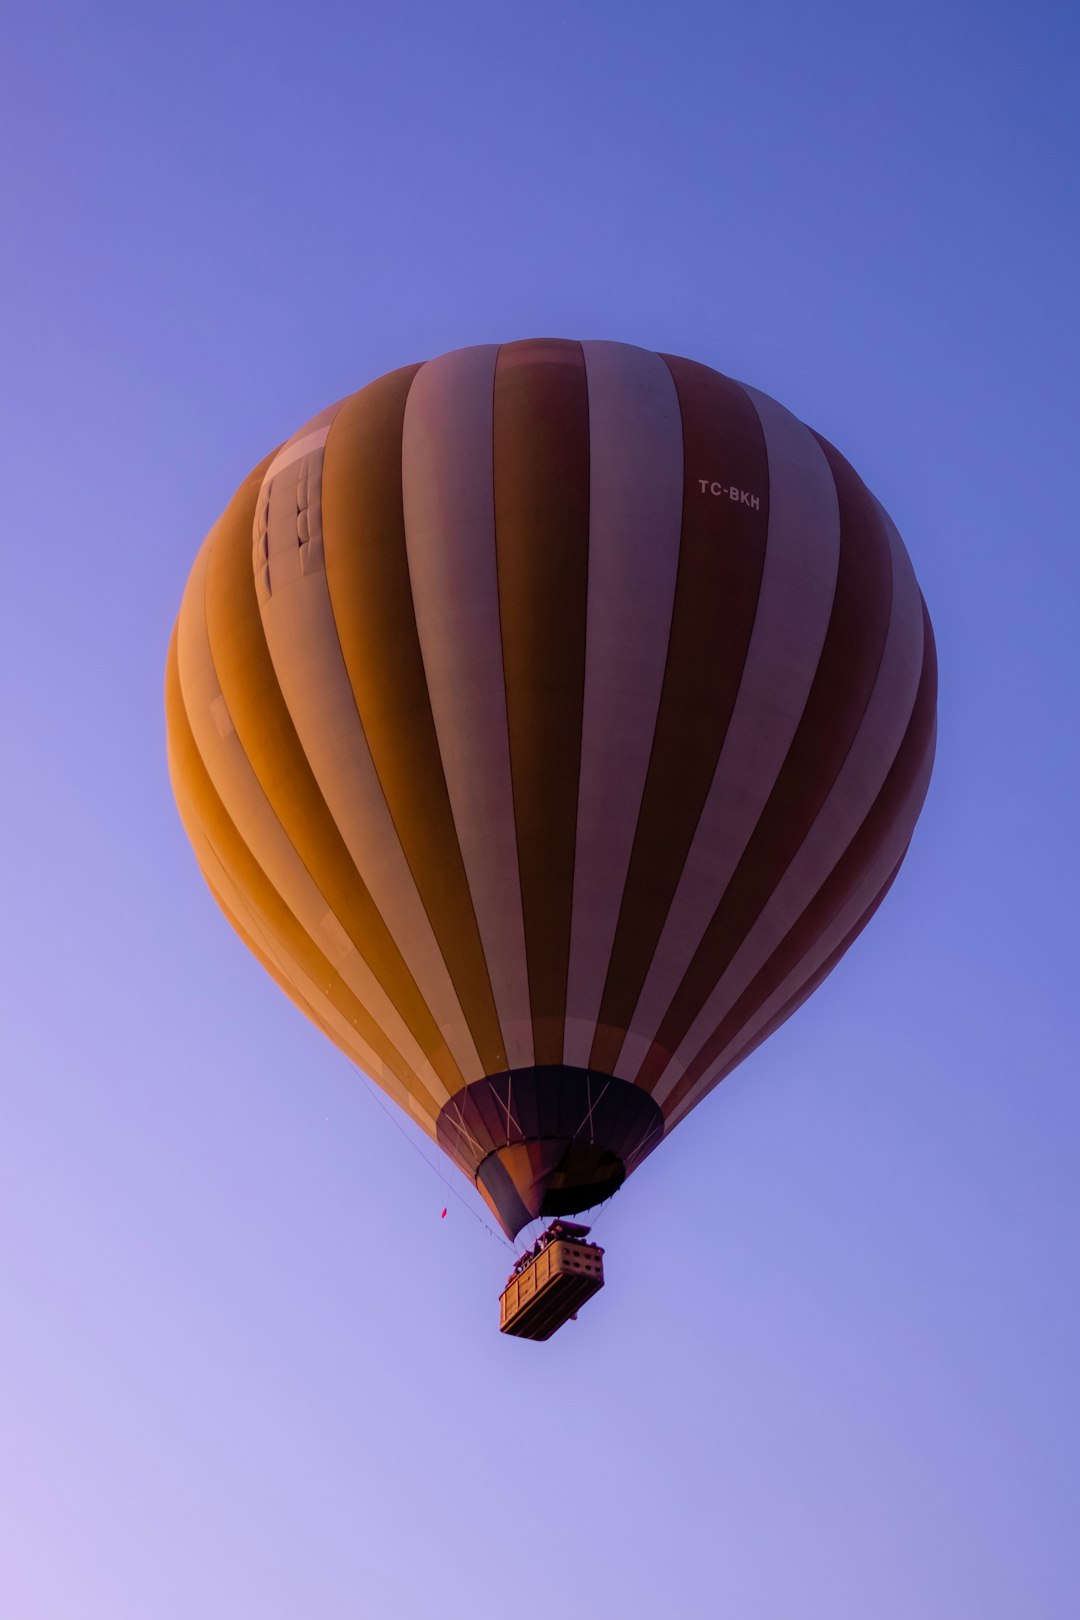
[{"x": 434, "y": 1168}]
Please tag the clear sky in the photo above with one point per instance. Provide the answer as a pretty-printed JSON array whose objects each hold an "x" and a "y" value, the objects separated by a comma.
[{"x": 245, "y": 1369}]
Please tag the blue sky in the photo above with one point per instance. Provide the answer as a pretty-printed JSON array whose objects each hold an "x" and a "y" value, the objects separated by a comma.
[{"x": 244, "y": 1367}]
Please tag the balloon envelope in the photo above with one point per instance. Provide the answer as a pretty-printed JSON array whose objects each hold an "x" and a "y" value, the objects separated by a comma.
[{"x": 548, "y": 719}]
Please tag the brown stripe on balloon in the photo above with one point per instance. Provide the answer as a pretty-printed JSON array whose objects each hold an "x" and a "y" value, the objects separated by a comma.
[
  {"x": 725, "y": 515},
  {"x": 251, "y": 881},
  {"x": 846, "y": 672},
  {"x": 892, "y": 804},
  {"x": 268, "y": 737},
  {"x": 541, "y": 471},
  {"x": 367, "y": 571},
  {"x": 790, "y": 1007}
]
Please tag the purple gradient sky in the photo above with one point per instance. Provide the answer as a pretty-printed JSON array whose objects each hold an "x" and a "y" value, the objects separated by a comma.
[{"x": 244, "y": 1368}]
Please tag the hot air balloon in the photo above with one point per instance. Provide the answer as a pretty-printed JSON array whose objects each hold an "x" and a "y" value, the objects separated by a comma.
[{"x": 549, "y": 719}]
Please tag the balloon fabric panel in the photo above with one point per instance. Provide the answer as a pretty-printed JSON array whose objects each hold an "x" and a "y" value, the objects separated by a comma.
[
  {"x": 635, "y": 517},
  {"x": 368, "y": 572},
  {"x": 449, "y": 510},
  {"x": 541, "y": 466},
  {"x": 548, "y": 720}
]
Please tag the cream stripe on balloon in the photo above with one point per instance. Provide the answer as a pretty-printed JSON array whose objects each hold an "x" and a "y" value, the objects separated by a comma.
[
  {"x": 242, "y": 794},
  {"x": 446, "y": 459},
  {"x": 301, "y": 634},
  {"x": 306, "y": 440},
  {"x": 857, "y": 785},
  {"x": 635, "y": 514},
  {"x": 797, "y": 588}
]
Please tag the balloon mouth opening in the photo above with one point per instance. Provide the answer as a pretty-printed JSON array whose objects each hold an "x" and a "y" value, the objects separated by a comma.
[
  {"x": 545, "y": 1176},
  {"x": 550, "y": 1140},
  {"x": 586, "y": 1176}
]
